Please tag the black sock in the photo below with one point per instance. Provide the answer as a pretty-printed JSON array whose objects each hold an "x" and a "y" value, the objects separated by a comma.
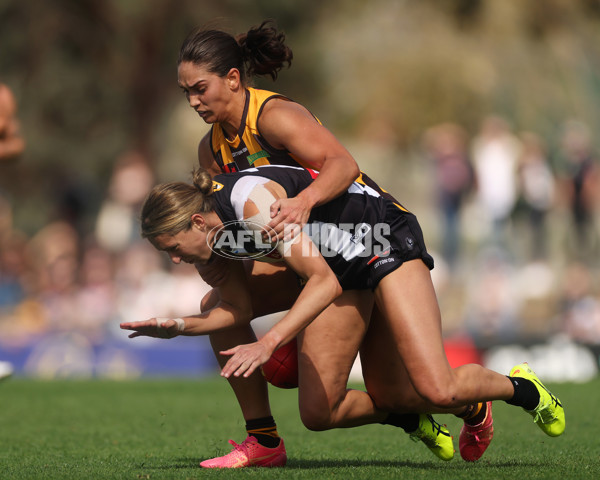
[
  {"x": 526, "y": 394},
  {"x": 474, "y": 414},
  {"x": 407, "y": 421},
  {"x": 264, "y": 430}
]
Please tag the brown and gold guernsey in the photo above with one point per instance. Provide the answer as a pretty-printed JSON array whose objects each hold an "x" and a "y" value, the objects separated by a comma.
[{"x": 249, "y": 149}]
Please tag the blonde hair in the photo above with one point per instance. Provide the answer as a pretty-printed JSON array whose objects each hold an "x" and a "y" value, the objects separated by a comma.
[{"x": 169, "y": 207}]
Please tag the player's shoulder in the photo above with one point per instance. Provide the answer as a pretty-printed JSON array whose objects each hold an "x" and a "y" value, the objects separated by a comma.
[
  {"x": 206, "y": 157},
  {"x": 281, "y": 112}
]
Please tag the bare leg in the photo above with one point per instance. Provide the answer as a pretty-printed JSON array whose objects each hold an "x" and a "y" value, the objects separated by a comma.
[
  {"x": 327, "y": 349},
  {"x": 252, "y": 392},
  {"x": 406, "y": 298},
  {"x": 385, "y": 374}
]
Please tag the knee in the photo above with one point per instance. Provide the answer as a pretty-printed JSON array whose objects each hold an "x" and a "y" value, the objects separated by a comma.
[
  {"x": 441, "y": 394},
  {"x": 316, "y": 419},
  {"x": 395, "y": 400}
]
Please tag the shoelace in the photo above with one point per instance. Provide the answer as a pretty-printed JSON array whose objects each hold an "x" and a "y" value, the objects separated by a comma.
[
  {"x": 240, "y": 447},
  {"x": 422, "y": 435},
  {"x": 476, "y": 434},
  {"x": 545, "y": 413}
]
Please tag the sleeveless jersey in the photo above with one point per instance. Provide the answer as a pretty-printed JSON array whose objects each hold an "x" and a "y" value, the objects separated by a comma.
[
  {"x": 249, "y": 149},
  {"x": 351, "y": 231}
]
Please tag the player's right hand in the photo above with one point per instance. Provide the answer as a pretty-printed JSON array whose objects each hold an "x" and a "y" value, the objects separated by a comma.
[{"x": 155, "y": 327}]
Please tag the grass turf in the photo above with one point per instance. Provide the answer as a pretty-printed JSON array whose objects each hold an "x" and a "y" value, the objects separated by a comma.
[{"x": 154, "y": 429}]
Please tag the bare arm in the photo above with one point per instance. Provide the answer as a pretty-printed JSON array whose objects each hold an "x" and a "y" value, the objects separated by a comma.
[
  {"x": 288, "y": 125},
  {"x": 234, "y": 308},
  {"x": 206, "y": 158},
  {"x": 322, "y": 288}
]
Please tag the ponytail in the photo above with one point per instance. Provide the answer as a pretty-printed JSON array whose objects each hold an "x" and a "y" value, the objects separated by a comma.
[
  {"x": 261, "y": 51},
  {"x": 264, "y": 50},
  {"x": 202, "y": 181}
]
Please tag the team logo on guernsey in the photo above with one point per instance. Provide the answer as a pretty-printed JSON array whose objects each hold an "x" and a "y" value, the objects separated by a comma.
[
  {"x": 217, "y": 186},
  {"x": 241, "y": 240}
]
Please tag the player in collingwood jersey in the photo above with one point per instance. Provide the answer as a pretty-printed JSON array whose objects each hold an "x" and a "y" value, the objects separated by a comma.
[
  {"x": 251, "y": 127},
  {"x": 190, "y": 221}
]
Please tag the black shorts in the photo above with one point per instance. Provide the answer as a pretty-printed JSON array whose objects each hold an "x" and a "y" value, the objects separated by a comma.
[{"x": 406, "y": 243}]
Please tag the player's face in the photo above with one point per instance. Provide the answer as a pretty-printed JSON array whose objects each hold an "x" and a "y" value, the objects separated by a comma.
[
  {"x": 206, "y": 92},
  {"x": 188, "y": 246}
]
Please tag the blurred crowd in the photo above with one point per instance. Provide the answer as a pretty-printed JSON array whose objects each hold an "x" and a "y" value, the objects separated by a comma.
[
  {"x": 516, "y": 251},
  {"x": 61, "y": 281},
  {"x": 64, "y": 291},
  {"x": 519, "y": 236}
]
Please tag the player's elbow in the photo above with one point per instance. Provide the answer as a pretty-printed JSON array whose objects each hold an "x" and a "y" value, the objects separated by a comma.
[
  {"x": 354, "y": 171},
  {"x": 330, "y": 286},
  {"x": 243, "y": 315},
  {"x": 238, "y": 313}
]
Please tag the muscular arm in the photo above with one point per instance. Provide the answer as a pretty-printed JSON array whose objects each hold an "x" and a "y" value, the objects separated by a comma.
[{"x": 288, "y": 125}]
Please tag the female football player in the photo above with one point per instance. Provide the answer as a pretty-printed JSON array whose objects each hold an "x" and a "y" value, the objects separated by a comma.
[
  {"x": 357, "y": 243},
  {"x": 252, "y": 127}
]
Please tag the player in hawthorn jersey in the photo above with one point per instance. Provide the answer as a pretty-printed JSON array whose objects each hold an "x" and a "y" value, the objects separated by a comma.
[
  {"x": 250, "y": 128},
  {"x": 189, "y": 221}
]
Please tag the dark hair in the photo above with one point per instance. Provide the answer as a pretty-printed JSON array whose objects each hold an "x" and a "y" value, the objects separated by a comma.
[
  {"x": 169, "y": 207},
  {"x": 260, "y": 51}
]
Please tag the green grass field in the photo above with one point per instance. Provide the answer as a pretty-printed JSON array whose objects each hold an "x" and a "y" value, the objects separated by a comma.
[{"x": 154, "y": 429}]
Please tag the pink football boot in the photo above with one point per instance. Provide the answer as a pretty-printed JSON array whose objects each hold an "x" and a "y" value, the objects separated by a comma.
[
  {"x": 249, "y": 453},
  {"x": 475, "y": 439}
]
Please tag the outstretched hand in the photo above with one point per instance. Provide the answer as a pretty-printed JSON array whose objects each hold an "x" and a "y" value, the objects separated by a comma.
[
  {"x": 155, "y": 327},
  {"x": 245, "y": 359}
]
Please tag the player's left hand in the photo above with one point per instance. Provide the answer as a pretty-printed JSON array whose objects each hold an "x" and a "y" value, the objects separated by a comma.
[
  {"x": 288, "y": 217},
  {"x": 245, "y": 359}
]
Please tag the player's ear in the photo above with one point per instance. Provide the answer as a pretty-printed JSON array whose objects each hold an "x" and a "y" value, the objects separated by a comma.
[
  {"x": 199, "y": 222},
  {"x": 233, "y": 79}
]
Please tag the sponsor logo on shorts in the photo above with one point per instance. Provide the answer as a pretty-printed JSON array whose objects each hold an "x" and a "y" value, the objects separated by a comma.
[
  {"x": 410, "y": 243},
  {"x": 383, "y": 261}
]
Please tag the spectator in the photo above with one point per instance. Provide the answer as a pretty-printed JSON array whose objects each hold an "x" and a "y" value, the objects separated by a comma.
[
  {"x": 536, "y": 192},
  {"x": 11, "y": 146},
  {"x": 580, "y": 306},
  {"x": 580, "y": 181},
  {"x": 117, "y": 223},
  {"x": 495, "y": 153},
  {"x": 446, "y": 145}
]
